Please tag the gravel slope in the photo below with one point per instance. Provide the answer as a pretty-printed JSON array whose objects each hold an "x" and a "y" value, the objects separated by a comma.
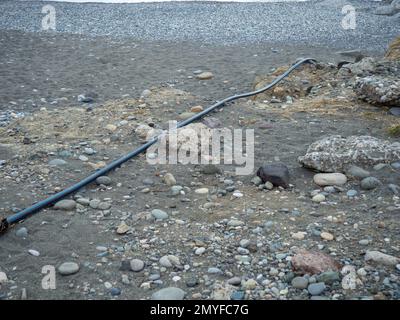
[{"x": 315, "y": 22}]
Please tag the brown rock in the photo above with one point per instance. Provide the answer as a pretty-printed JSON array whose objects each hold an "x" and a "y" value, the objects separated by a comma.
[
  {"x": 314, "y": 262},
  {"x": 393, "y": 52}
]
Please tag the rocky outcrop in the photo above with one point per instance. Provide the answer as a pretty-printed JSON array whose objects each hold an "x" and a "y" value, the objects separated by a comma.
[
  {"x": 378, "y": 90},
  {"x": 336, "y": 153}
]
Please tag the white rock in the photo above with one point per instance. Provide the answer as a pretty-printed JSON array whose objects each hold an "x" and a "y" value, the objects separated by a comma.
[
  {"x": 381, "y": 258},
  {"x": 34, "y": 252},
  {"x": 3, "y": 278},
  {"x": 201, "y": 191},
  {"x": 318, "y": 198},
  {"x": 330, "y": 179}
]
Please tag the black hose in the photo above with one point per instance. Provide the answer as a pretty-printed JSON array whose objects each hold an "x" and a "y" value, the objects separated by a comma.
[{"x": 5, "y": 223}]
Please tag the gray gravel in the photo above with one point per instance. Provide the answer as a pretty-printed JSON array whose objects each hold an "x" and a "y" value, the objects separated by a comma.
[{"x": 311, "y": 22}]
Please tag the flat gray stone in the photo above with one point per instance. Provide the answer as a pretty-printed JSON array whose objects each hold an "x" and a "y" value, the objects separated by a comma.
[
  {"x": 68, "y": 268},
  {"x": 170, "y": 293},
  {"x": 65, "y": 204}
]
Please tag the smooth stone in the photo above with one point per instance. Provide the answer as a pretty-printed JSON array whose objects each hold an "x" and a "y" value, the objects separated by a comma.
[
  {"x": 395, "y": 165},
  {"x": 159, "y": 214},
  {"x": 276, "y": 173},
  {"x": 237, "y": 295},
  {"x": 68, "y": 268},
  {"x": 380, "y": 166},
  {"x": 34, "y": 253},
  {"x": 122, "y": 228},
  {"x": 196, "y": 109},
  {"x": 210, "y": 169},
  {"x": 235, "y": 281},
  {"x": 395, "y": 111},
  {"x": 186, "y": 115},
  {"x": 328, "y": 277},
  {"x": 327, "y": 236},
  {"x": 213, "y": 270},
  {"x": 357, "y": 172},
  {"x": 316, "y": 289},
  {"x": 205, "y": 75},
  {"x": 318, "y": 198},
  {"x": 256, "y": 181},
  {"x": 300, "y": 282},
  {"x": 148, "y": 181},
  {"x": 169, "y": 179},
  {"x": 381, "y": 258},
  {"x": 351, "y": 193},
  {"x": 200, "y": 251},
  {"x": 65, "y": 204},
  {"x": 22, "y": 232},
  {"x": 170, "y": 293},
  {"x": 115, "y": 291},
  {"x": 136, "y": 265},
  {"x": 201, "y": 191},
  {"x": 175, "y": 190},
  {"x": 103, "y": 180},
  {"x": 394, "y": 188},
  {"x": 370, "y": 183},
  {"x": 57, "y": 162},
  {"x": 330, "y": 179}
]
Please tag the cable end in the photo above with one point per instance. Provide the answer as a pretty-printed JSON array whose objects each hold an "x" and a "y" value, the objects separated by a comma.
[{"x": 3, "y": 225}]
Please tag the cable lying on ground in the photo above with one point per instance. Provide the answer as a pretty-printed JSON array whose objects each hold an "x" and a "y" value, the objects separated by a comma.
[{"x": 5, "y": 223}]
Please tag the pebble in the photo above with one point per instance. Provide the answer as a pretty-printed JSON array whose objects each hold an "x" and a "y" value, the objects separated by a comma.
[
  {"x": 205, "y": 75},
  {"x": 123, "y": 228},
  {"x": 300, "y": 282},
  {"x": 380, "y": 166},
  {"x": 103, "y": 180},
  {"x": 370, "y": 183},
  {"x": 34, "y": 253},
  {"x": 196, "y": 109},
  {"x": 351, "y": 193},
  {"x": 170, "y": 293},
  {"x": 57, "y": 162},
  {"x": 3, "y": 278},
  {"x": 250, "y": 284},
  {"x": 136, "y": 265},
  {"x": 200, "y": 251},
  {"x": 327, "y": 236},
  {"x": 169, "y": 261},
  {"x": 357, "y": 172},
  {"x": 115, "y": 291},
  {"x": 68, "y": 268},
  {"x": 214, "y": 270},
  {"x": 318, "y": 198},
  {"x": 381, "y": 258},
  {"x": 237, "y": 295},
  {"x": 201, "y": 191},
  {"x": 330, "y": 179},
  {"x": 299, "y": 235},
  {"x": 328, "y": 277},
  {"x": 256, "y": 181},
  {"x": 316, "y": 289},
  {"x": 65, "y": 204},
  {"x": 235, "y": 281},
  {"x": 159, "y": 214},
  {"x": 169, "y": 179},
  {"x": 22, "y": 232}
]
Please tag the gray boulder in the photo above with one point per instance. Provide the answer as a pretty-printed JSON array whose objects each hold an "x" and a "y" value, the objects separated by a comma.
[{"x": 337, "y": 154}]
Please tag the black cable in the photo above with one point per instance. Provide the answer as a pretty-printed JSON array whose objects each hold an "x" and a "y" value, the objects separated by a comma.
[{"x": 5, "y": 223}]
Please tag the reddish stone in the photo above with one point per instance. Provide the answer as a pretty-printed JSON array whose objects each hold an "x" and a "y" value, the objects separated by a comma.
[{"x": 313, "y": 262}]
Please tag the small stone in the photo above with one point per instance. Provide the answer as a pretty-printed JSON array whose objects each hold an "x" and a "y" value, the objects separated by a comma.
[
  {"x": 196, "y": 109},
  {"x": 83, "y": 158},
  {"x": 363, "y": 242},
  {"x": 111, "y": 127},
  {"x": 250, "y": 284},
  {"x": 370, "y": 183},
  {"x": 123, "y": 228},
  {"x": 169, "y": 179},
  {"x": 170, "y": 293},
  {"x": 380, "y": 166},
  {"x": 115, "y": 291},
  {"x": 57, "y": 162},
  {"x": 300, "y": 282},
  {"x": 205, "y": 76},
  {"x": 327, "y": 236},
  {"x": 381, "y": 258},
  {"x": 318, "y": 198},
  {"x": 159, "y": 214},
  {"x": 351, "y": 193},
  {"x": 65, "y": 204},
  {"x": 298, "y": 235},
  {"x": 186, "y": 115},
  {"x": 103, "y": 180},
  {"x": 34, "y": 253},
  {"x": 235, "y": 281},
  {"x": 330, "y": 179},
  {"x": 316, "y": 289},
  {"x": 313, "y": 262},
  {"x": 256, "y": 181},
  {"x": 214, "y": 270},
  {"x": 328, "y": 277},
  {"x": 136, "y": 265},
  {"x": 357, "y": 172},
  {"x": 22, "y": 232},
  {"x": 276, "y": 173},
  {"x": 3, "y": 278},
  {"x": 268, "y": 185},
  {"x": 68, "y": 268},
  {"x": 394, "y": 188},
  {"x": 201, "y": 191},
  {"x": 169, "y": 261},
  {"x": 200, "y": 251},
  {"x": 238, "y": 295}
]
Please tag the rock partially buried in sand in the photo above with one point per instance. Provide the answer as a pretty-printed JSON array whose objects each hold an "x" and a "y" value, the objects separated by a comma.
[
  {"x": 276, "y": 173},
  {"x": 381, "y": 258},
  {"x": 65, "y": 204},
  {"x": 68, "y": 268},
  {"x": 330, "y": 179},
  {"x": 170, "y": 293},
  {"x": 314, "y": 262},
  {"x": 205, "y": 75},
  {"x": 336, "y": 153}
]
